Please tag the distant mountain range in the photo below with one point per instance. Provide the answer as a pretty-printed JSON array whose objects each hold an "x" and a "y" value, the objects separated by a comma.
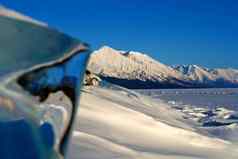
[{"x": 139, "y": 71}]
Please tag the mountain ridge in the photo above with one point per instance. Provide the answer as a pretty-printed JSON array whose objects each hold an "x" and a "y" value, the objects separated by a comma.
[{"x": 137, "y": 70}]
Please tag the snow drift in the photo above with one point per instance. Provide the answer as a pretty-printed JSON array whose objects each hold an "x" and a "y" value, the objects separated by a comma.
[{"x": 116, "y": 123}]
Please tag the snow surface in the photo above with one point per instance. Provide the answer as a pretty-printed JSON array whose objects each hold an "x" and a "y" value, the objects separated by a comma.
[
  {"x": 213, "y": 110},
  {"x": 117, "y": 123}
]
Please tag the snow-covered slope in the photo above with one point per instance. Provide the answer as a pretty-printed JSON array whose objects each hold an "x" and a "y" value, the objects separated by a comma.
[
  {"x": 131, "y": 64},
  {"x": 195, "y": 72},
  {"x": 116, "y": 123},
  {"x": 209, "y": 76},
  {"x": 13, "y": 14},
  {"x": 133, "y": 69},
  {"x": 226, "y": 74},
  {"x": 152, "y": 64},
  {"x": 137, "y": 70}
]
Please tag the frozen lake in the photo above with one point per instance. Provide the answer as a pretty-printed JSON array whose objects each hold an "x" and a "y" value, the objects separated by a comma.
[{"x": 209, "y": 98}]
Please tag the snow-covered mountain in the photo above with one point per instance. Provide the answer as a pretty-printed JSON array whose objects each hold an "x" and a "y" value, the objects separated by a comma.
[
  {"x": 210, "y": 77},
  {"x": 132, "y": 69},
  {"x": 137, "y": 70},
  {"x": 114, "y": 122}
]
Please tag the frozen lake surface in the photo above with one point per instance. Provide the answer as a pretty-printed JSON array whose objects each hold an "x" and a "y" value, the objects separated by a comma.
[{"x": 208, "y": 98}]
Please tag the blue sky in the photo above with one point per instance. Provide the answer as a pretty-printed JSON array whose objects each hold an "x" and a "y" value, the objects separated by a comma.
[{"x": 202, "y": 32}]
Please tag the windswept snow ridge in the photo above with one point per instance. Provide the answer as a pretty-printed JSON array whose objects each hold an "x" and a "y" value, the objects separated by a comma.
[{"x": 115, "y": 123}]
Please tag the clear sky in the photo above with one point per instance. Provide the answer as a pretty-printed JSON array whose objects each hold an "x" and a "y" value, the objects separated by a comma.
[{"x": 202, "y": 32}]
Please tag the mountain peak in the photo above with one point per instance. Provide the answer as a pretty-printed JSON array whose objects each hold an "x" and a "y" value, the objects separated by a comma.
[
  {"x": 105, "y": 47},
  {"x": 135, "y": 53},
  {"x": 129, "y": 65},
  {"x": 138, "y": 70}
]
